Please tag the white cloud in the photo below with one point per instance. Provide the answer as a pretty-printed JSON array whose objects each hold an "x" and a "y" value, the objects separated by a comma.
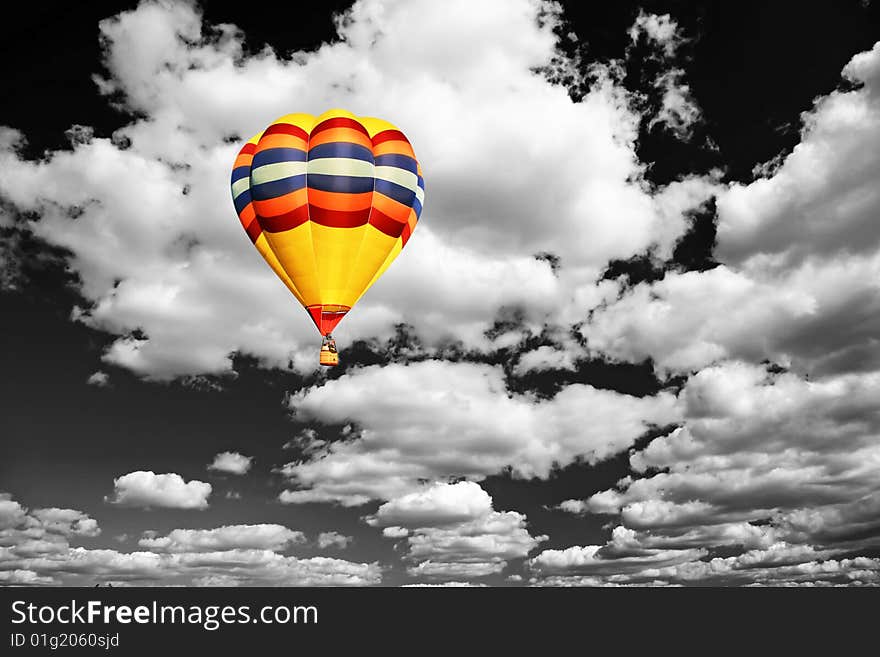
[
  {"x": 661, "y": 30},
  {"x": 452, "y": 531},
  {"x": 67, "y": 522},
  {"x": 821, "y": 199},
  {"x": 35, "y": 550},
  {"x": 148, "y": 489},
  {"x": 779, "y": 471},
  {"x": 38, "y": 533},
  {"x": 21, "y": 577},
  {"x": 443, "y": 584},
  {"x": 588, "y": 560},
  {"x": 406, "y": 413},
  {"x": 801, "y": 254},
  {"x": 678, "y": 111},
  {"x": 99, "y": 379},
  {"x": 333, "y": 540},
  {"x": 545, "y": 358},
  {"x": 240, "y": 566},
  {"x": 439, "y": 504},
  {"x": 41, "y": 531},
  {"x": 11, "y": 512},
  {"x": 395, "y": 532},
  {"x": 190, "y": 282},
  {"x": 780, "y": 565},
  {"x": 228, "y": 537},
  {"x": 471, "y": 549},
  {"x": 231, "y": 463}
]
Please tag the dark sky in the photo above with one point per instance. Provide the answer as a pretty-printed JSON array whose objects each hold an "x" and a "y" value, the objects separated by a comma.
[{"x": 753, "y": 68}]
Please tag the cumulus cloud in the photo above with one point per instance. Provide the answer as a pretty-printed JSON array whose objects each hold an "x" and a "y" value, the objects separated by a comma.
[
  {"x": 545, "y": 358},
  {"x": 19, "y": 577},
  {"x": 472, "y": 549},
  {"x": 333, "y": 540},
  {"x": 821, "y": 199},
  {"x": 99, "y": 379},
  {"x": 778, "y": 566},
  {"x": 36, "y": 550},
  {"x": 444, "y": 585},
  {"x": 251, "y": 567},
  {"x": 801, "y": 259},
  {"x": 405, "y": 411},
  {"x": 228, "y": 537},
  {"x": 190, "y": 290},
  {"x": 67, "y": 522},
  {"x": 11, "y": 512},
  {"x": 453, "y": 532},
  {"x": 778, "y": 471},
  {"x": 37, "y": 533},
  {"x": 441, "y": 504},
  {"x": 231, "y": 463},
  {"x": 147, "y": 489},
  {"x": 395, "y": 532},
  {"x": 41, "y": 530}
]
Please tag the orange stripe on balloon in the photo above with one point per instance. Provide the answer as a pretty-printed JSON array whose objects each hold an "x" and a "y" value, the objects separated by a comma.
[
  {"x": 280, "y": 140},
  {"x": 388, "y": 206},
  {"x": 340, "y": 134},
  {"x": 281, "y": 204},
  {"x": 247, "y": 214},
  {"x": 340, "y": 201},
  {"x": 393, "y": 148}
]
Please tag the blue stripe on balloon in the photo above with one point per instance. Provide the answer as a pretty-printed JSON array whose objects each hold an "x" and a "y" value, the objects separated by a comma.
[
  {"x": 417, "y": 207},
  {"x": 240, "y": 172},
  {"x": 392, "y": 190},
  {"x": 341, "y": 149},
  {"x": 242, "y": 200},
  {"x": 399, "y": 161},
  {"x": 274, "y": 155},
  {"x": 343, "y": 184},
  {"x": 276, "y": 188}
]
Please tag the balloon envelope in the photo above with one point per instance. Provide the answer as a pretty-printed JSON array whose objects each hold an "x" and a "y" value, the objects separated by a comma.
[{"x": 329, "y": 202}]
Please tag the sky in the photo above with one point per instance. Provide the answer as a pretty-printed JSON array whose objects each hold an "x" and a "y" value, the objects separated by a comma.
[{"x": 633, "y": 341}]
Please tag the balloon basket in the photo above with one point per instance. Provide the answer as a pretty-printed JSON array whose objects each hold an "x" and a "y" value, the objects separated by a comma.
[{"x": 329, "y": 355}]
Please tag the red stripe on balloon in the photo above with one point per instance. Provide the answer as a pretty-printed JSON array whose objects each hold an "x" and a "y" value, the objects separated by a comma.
[
  {"x": 286, "y": 129},
  {"x": 281, "y": 222},
  {"x": 339, "y": 122},
  {"x": 338, "y": 218},
  {"x": 254, "y": 230},
  {"x": 389, "y": 135},
  {"x": 386, "y": 224}
]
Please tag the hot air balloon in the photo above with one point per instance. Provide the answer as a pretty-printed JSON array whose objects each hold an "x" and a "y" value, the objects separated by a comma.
[{"x": 329, "y": 202}]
